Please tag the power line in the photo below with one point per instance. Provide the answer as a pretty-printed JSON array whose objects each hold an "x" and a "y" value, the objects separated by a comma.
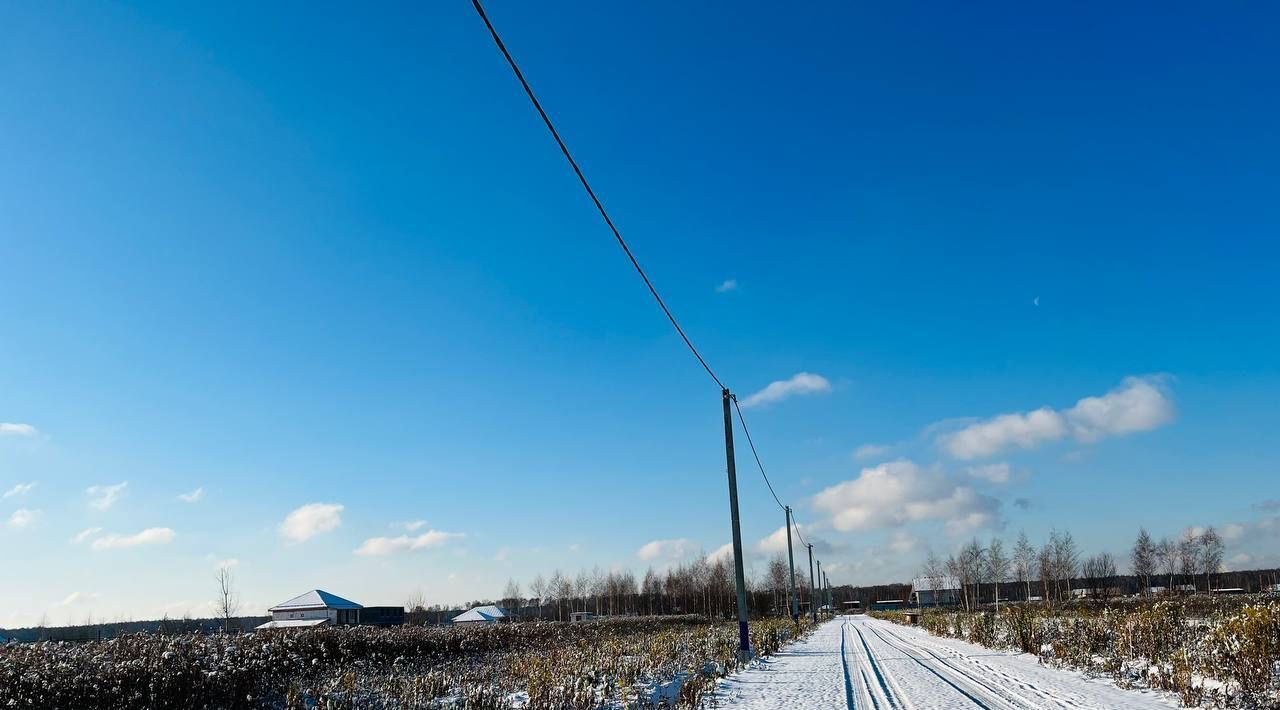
[
  {"x": 591, "y": 193},
  {"x": 564, "y": 149},
  {"x": 752, "y": 444}
]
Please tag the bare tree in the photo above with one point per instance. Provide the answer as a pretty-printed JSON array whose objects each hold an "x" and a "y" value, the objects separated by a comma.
[
  {"x": 539, "y": 588},
  {"x": 511, "y": 598},
  {"x": 1066, "y": 560},
  {"x": 934, "y": 570},
  {"x": 1210, "y": 555},
  {"x": 997, "y": 565},
  {"x": 1024, "y": 562},
  {"x": 1143, "y": 557},
  {"x": 228, "y": 602},
  {"x": 955, "y": 568},
  {"x": 1047, "y": 582},
  {"x": 1188, "y": 559},
  {"x": 415, "y": 608},
  {"x": 1167, "y": 560}
]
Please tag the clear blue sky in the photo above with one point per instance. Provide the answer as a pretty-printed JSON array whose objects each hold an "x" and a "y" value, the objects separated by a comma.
[{"x": 305, "y": 253}]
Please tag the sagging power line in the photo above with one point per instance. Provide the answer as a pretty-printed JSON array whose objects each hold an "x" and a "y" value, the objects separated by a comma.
[{"x": 726, "y": 395}]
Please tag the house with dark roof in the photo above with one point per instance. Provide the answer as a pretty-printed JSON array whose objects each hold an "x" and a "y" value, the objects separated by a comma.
[{"x": 320, "y": 608}]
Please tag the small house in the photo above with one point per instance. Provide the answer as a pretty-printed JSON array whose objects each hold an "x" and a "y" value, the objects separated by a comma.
[
  {"x": 315, "y": 608},
  {"x": 580, "y": 616},
  {"x": 488, "y": 614},
  {"x": 935, "y": 591}
]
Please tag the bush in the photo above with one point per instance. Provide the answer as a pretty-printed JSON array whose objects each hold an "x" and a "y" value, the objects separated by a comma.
[{"x": 641, "y": 662}]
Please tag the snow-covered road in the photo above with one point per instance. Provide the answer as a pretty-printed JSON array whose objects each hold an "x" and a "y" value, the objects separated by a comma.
[{"x": 857, "y": 663}]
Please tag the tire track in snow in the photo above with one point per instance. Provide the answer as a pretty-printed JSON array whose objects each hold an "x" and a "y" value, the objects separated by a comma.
[
  {"x": 844, "y": 662},
  {"x": 926, "y": 645},
  {"x": 971, "y": 696},
  {"x": 889, "y": 696},
  {"x": 999, "y": 689}
]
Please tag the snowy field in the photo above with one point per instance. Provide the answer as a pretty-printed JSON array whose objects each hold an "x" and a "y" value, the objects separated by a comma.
[{"x": 857, "y": 662}]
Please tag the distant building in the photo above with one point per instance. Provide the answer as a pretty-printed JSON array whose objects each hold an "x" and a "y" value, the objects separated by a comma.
[
  {"x": 488, "y": 614},
  {"x": 1228, "y": 590},
  {"x": 580, "y": 616},
  {"x": 320, "y": 608},
  {"x": 888, "y": 604},
  {"x": 935, "y": 591}
]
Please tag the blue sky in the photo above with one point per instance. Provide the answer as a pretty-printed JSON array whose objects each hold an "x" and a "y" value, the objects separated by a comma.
[{"x": 296, "y": 255}]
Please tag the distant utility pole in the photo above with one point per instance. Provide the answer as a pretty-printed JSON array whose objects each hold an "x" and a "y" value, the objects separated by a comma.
[
  {"x": 795, "y": 603},
  {"x": 813, "y": 608},
  {"x": 822, "y": 596},
  {"x": 744, "y": 636}
]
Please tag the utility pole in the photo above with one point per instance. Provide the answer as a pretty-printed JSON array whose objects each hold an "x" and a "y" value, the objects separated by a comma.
[
  {"x": 744, "y": 636},
  {"x": 791, "y": 561},
  {"x": 813, "y": 608},
  {"x": 822, "y": 595}
]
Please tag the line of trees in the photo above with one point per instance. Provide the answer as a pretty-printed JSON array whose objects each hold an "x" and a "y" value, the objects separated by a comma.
[
  {"x": 1047, "y": 572},
  {"x": 701, "y": 586}
]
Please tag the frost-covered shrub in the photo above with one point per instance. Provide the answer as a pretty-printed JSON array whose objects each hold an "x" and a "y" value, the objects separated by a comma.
[
  {"x": 1207, "y": 651},
  {"x": 637, "y": 662}
]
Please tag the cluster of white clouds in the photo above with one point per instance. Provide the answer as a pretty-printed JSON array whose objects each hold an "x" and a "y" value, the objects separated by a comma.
[
  {"x": 727, "y": 285},
  {"x": 1138, "y": 404},
  {"x": 896, "y": 493},
  {"x": 113, "y": 541},
  {"x": 20, "y": 489},
  {"x": 310, "y": 520},
  {"x": 801, "y": 383},
  {"x": 378, "y": 546},
  {"x": 671, "y": 550},
  {"x": 12, "y": 429}
]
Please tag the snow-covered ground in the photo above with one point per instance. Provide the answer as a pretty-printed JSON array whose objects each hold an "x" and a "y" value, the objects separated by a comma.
[{"x": 857, "y": 662}]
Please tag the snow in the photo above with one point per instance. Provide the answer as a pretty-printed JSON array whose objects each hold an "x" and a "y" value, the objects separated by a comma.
[{"x": 857, "y": 662}]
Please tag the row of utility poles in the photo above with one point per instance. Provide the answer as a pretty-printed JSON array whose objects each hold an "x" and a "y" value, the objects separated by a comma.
[{"x": 819, "y": 585}]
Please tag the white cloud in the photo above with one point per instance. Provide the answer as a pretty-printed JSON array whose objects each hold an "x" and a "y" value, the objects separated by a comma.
[
  {"x": 775, "y": 543},
  {"x": 85, "y": 535},
  {"x": 103, "y": 497},
  {"x": 727, "y": 286},
  {"x": 869, "y": 451},
  {"x": 674, "y": 549},
  {"x": 229, "y": 563},
  {"x": 12, "y": 429},
  {"x": 724, "y": 553},
  {"x": 411, "y": 526},
  {"x": 800, "y": 384},
  {"x": 19, "y": 490},
  {"x": 900, "y": 492},
  {"x": 150, "y": 536},
  {"x": 992, "y": 473},
  {"x": 79, "y": 598},
  {"x": 22, "y": 518},
  {"x": 1138, "y": 404},
  {"x": 193, "y": 497},
  {"x": 310, "y": 520},
  {"x": 376, "y": 546}
]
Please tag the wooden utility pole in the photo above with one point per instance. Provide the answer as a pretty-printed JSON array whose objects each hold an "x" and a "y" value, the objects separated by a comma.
[
  {"x": 744, "y": 635},
  {"x": 791, "y": 562}
]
